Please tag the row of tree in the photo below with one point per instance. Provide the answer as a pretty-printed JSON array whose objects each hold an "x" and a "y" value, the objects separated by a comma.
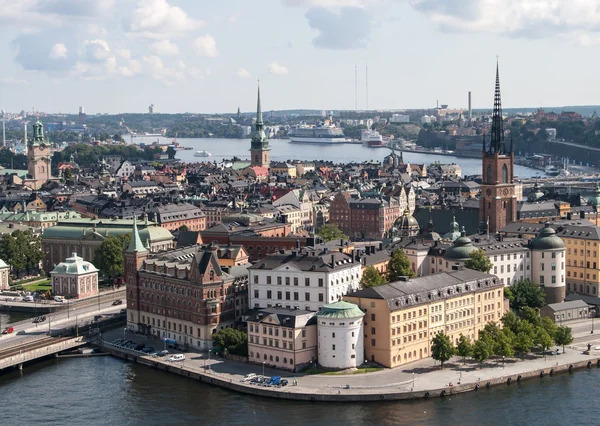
[
  {"x": 22, "y": 250},
  {"x": 519, "y": 335}
]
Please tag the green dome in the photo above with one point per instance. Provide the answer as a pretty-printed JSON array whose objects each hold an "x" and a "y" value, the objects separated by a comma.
[
  {"x": 454, "y": 233},
  {"x": 594, "y": 200},
  {"x": 461, "y": 249},
  {"x": 547, "y": 240},
  {"x": 340, "y": 310}
]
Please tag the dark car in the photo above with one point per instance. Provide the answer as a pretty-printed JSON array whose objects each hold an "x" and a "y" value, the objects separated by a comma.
[
  {"x": 140, "y": 347},
  {"x": 283, "y": 382},
  {"x": 123, "y": 311},
  {"x": 117, "y": 302},
  {"x": 148, "y": 350}
]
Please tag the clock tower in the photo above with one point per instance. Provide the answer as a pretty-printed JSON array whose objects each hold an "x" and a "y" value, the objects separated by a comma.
[
  {"x": 38, "y": 158},
  {"x": 498, "y": 203}
]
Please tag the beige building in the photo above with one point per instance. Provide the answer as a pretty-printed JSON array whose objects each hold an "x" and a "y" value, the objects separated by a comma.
[
  {"x": 74, "y": 278},
  {"x": 402, "y": 317},
  {"x": 282, "y": 338},
  {"x": 4, "y": 275}
]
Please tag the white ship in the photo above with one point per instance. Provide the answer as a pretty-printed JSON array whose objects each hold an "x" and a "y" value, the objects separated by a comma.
[
  {"x": 552, "y": 170},
  {"x": 202, "y": 154},
  {"x": 319, "y": 134},
  {"x": 372, "y": 139}
]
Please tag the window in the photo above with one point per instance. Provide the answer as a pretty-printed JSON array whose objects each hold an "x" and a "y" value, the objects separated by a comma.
[
  {"x": 333, "y": 335},
  {"x": 504, "y": 174},
  {"x": 279, "y": 295},
  {"x": 372, "y": 317},
  {"x": 372, "y": 330},
  {"x": 268, "y": 279},
  {"x": 268, "y": 294},
  {"x": 307, "y": 297},
  {"x": 320, "y": 282},
  {"x": 373, "y": 342},
  {"x": 287, "y": 280},
  {"x": 333, "y": 347},
  {"x": 541, "y": 279},
  {"x": 303, "y": 332},
  {"x": 296, "y": 295},
  {"x": 256, "y": 294},
  {"x": 307, "y": 282},
  {"x": 295, "y": 280},
  {"x": 278, "y": 280},
  {"x": 256, "y": 279},
  {"x": 287, "y": 295}
]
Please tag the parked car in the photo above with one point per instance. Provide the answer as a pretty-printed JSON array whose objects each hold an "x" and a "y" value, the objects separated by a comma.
[
  {"x": 249, "y": 377},
  {"x": 163, "y": 353},
  {"x": 177, "y": 357},
  {"x": 117, "y": 302},
  {"x": 140, "y": 347},
  {"x": 123, "y": 311},
  {"x": 283, "y": 382},
  {"x": 60, "y": 299},
  {"x": 8, "y": 330},
  {"x": 148, "y": 350}
]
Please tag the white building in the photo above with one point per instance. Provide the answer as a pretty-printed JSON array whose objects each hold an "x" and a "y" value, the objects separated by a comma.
[
  {"x": 425, "y": 119},
  {"x": 548, "y": 264},
  {"x": 399, "y": 118},
  {"x": 302, "y": 279},
  {"x": 340, "y": 336},
  {"x": 4, "y": 273},
  {"x": 74, "y": 278},
  {"x": 125, "y": 170}
]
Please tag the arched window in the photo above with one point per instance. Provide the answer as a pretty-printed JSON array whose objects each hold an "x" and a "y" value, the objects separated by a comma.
[
  {"x": 256, "y": 158},
  {"x": 504, "y": 174},
  {"x": 489, "y": 174}
]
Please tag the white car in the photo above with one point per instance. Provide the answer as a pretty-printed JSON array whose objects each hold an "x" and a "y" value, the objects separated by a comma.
[
  {"x": 177, "y": 357},
  {"x": 248, "y": 377}
]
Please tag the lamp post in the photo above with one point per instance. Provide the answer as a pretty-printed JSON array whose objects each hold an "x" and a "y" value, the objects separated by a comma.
[
  {"x": 124, "y": 333},
  {"x": 263, "y": 369},
  {"x": 366, "y": 369}
]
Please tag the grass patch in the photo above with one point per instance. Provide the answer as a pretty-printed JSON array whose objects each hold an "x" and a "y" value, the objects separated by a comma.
[
  {"x": 367, "y": 370},
  {"x": 312, "y": 370},
  {"x": 39, "y": 286}
]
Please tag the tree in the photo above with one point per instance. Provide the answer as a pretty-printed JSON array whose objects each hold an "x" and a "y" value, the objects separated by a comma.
[
  {"x": 441, "y": 348},
  {"x": 171, "y": 152},
  {"x": 183, "y": 228},
  {"x": 526, "y": 293},
  {"x": 464, "y": 347},
  {"x": 399, "y": 266},
  {"x": 542, "y": 339},
  {"x": 563, "y": 336},
  {"x": 479, "y": 261},
  {"x": 330, "y": 232},
  {"x": 371, "y": 278},
  {"x": 548, "y": 325},
  {"x": 530, "y": 315},
  {"x": 22, "y": 250},
  {"x": 503, "y": 346},
  {"x": 108, "y": 258},
  {"x": 481, "y": 350},
  {"x": 232, "y": 340},
  {"x": 522, "y": 343}
]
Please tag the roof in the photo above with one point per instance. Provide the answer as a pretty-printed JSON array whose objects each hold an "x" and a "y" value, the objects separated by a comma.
[
  {"x": 79, "y": 229},
  {"x": 135, "y": 243},
  {"x": 340, "y": 309},
  {"x": 573, "y": 304},
  {"x": 305, "y": 260},
  {"x": 421, "y": 290},
  {"x": 285, "y": 317},
  {"x": 74, "y": 265},
  {"x": 547, "y": 240}
]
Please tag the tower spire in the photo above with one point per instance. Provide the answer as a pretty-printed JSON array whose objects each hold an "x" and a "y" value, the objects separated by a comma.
[
  {"x": 497, "y": 141},
  {"x": 259, "y": 119},
  {"x": 135, "y": 244}
]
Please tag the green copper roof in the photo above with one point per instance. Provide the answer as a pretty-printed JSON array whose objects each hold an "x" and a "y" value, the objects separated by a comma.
[
  {"x": 135, "y": 244},
  {"x": 340, "y": 310},
  {"x": 461, "y": 249},
  {"x": 259, "y": 139},
  {"x": 547, "y": 240},
  {"x": 38, "y": 133}
]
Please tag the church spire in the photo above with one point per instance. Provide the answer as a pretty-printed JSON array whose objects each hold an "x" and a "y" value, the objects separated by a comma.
[
  {"x": 135, "y": 244},
  {"x": 259, "y": 119},
  {"x": 497, "y": 141}
]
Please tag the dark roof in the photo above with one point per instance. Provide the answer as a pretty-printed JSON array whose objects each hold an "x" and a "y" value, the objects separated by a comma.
[
  {"x": 284, "y": 317},
  {"x": 187, "y": 238},
  {"x": 306, "y": 260},
  {"x": 416, "y": 291},
  {"x": 442, "y": 219}
]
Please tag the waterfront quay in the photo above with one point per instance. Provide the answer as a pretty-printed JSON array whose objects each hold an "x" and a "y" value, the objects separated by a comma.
[
  {"x": 421, "y": 379},
  {"x": 36, "y": 348}
]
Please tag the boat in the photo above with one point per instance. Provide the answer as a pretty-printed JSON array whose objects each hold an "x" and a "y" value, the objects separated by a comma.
[
  {"x": 372, "y": 139},
  {"x": 202, "y": 154},
  {"x": 317, "y": 134},
  {"x": 552, "y": 170}
]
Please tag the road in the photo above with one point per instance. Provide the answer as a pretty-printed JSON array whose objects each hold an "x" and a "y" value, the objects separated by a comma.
[{"x": 27, "y": 330}]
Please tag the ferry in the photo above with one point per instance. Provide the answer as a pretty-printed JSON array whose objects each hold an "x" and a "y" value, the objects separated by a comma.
[
  {"x": 318, "y": 134},
  {"x": 552, "y": 170},
  {"x": 372, "y": 139},
  {"x": 202, "y": 154}
]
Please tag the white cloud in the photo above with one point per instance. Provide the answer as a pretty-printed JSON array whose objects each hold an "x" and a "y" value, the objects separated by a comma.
[
  {"x": 206, "y": 46},
  {"x": 165, "y": 48},
  {"x": 157, "y": 19},
  {"x": 242, "y": 73},
  {"x": 13, "y": 81},
  {"x": 123, "y": 52},
  {"x": 276, "y": 68},
  {"x": 233, "y": 19},
  {"x": 59, "y": 50}
]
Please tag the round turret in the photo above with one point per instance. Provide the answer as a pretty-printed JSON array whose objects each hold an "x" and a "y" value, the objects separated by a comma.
[
  {"x": 461, "y": 249},
  {"x": 594, "y": 200},
  {"x": 547, "y": 240}
]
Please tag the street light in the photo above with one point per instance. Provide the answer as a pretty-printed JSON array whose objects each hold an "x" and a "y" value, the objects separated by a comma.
[
  {"x": 264, "y": 369},
  {"x": 366, "y": 366},
  {"x": 124, "y": 331}
]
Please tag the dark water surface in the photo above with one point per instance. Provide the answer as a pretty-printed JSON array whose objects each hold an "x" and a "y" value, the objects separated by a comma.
[{"x": 107, "y": 391}]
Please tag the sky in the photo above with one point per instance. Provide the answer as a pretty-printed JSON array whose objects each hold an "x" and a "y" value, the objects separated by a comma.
[{"x": 205, "y": 56}]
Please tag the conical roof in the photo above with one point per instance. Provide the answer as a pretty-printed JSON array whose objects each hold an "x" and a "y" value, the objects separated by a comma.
[{"x": 135, "y": 244}]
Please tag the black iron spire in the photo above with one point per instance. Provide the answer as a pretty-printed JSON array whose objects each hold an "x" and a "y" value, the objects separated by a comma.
[{"x": 497, "y": 138}]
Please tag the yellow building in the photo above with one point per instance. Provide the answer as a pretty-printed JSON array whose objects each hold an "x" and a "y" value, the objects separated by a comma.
[{"x": 402, "y": 317}]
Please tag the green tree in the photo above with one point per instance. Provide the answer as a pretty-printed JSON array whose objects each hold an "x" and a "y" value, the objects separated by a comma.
[
  {"x": 234, "y": 341},
  {"x": 503, "y": 346},
  {"x": 530, "y": 315},
  {"x": 548, "y": 325},
  {"x": 563, "y": 336},
  {"x": 399, "y": 266},
  {"x": 441, "y": 348},
  {"x": 481, "y": 350},
  {"x": 171, "y": 152},
  {"x": 510, "y": 321},
  {"x": 522, "y": 343},
  {"x": 184, "y": 228},
  {"x": 526, "y": 293},
  {"x": 371, "y": 277},
  {"x": 542, "y": 339},
  {"x": 479, "y": 261},
  {"x": 330, "y": 232},
  {"x": 464, "y": 347},
  {"x": 22, "y": 251},
  {"x": 108, "y": 258}
]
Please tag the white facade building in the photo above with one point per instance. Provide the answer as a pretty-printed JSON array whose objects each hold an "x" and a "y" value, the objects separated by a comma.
[
  {"x": 302, "y": 279},
  {"x": 340, "y": 336},
  {"x": 548, "y": 264},
  {"x": 4, "y": 273},
  {"x": 399, "y": 118},
  {"x": 74, "y": 278}
]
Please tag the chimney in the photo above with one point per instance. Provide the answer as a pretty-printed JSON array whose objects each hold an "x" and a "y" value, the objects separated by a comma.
[
  {"x": 298, "y": 244},
  {"x": 333, "y": 260},
  {"x": 581, "y": 214},
  {"x": 380, "y": 246},
  {"x": 341, "y": 242}
]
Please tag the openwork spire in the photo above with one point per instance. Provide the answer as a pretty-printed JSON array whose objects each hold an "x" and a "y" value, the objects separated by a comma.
[{"x": 497, "y": 134}]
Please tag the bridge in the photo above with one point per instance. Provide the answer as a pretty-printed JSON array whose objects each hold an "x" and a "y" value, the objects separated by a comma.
[{"x": 36, "y": 348}]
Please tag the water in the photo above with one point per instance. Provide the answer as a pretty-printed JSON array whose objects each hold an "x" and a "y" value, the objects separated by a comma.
[
  {"x": 107, "y": 391},
  {"x": 282, "y": 150}
]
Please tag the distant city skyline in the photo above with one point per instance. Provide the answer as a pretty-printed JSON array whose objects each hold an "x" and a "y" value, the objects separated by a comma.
[{"x": 200, "y": 56}]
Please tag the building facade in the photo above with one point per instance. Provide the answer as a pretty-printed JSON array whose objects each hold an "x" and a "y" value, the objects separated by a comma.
[
  {"x": 304, "y": 278},
  {"x": 181, "y": 294},
  {"x": 282, "y": 338},
  {"x": 74, "y": 278},
  {"x": 401, "y": 318},
  {"x": 38, "y": 158}
]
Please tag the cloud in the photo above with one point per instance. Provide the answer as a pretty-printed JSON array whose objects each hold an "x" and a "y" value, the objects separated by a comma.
[
  {"x": 157, "y": 19},
  {"x": 242, "y": 73},
  {"x": 576, "y": 19},
  {"x": 331, "y": 3},
  {"x": 205, "y": 46},
  {"x": 59, "y": 50},
  {"x": 350, "y": 29},
  {"x": 165, "y": 48},
  {"x": 33, "y": 15},
  {"x": 275, "y": 68},
  {"x": 33, "y": 50},
  {"x": 13, "y": 81}
]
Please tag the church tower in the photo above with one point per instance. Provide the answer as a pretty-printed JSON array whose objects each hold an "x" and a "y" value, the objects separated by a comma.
[
  {"x": 259, "y": 147},
  {"x": 134, "y": 256},
  {"x": 38, "y": 158},
  {"x": 498, "y": 203}
]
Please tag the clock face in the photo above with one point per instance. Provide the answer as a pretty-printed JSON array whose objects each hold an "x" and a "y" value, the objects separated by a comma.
[
  {"x": 489, "y": 191},
  {"x": 505, "y": 191}
]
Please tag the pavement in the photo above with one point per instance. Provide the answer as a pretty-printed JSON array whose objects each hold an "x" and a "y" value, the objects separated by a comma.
[{"x": 418, "y": 376}]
